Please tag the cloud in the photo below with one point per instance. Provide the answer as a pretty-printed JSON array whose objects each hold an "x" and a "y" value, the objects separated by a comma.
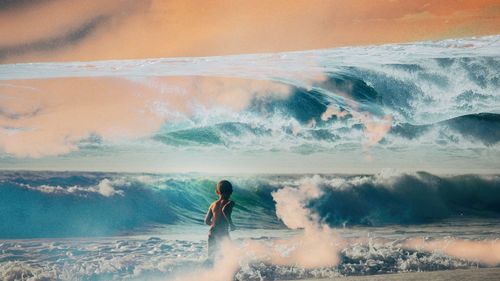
[
  {"x": 69, "y": 37},
  {"x": 16, "y": 4},
  {"x": 50, "y": 117},
  {"x": 44, "y": 20}
]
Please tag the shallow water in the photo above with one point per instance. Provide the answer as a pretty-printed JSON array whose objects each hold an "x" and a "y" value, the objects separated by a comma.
[{"x": 169, "y": 253}]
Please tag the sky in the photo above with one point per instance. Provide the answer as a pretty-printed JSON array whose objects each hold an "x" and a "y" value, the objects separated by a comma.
[
  {"x": 224, "y": 123},
  {"x": 75, "y": 30}
]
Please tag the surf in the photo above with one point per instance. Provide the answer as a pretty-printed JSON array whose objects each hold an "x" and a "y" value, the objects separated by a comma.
[{"x": 80, "y": 204}]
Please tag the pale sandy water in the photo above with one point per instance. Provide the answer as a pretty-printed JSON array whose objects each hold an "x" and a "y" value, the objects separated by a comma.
[
  {"x": 173, "y": 251},
  {"x": 478, "y": 274}
]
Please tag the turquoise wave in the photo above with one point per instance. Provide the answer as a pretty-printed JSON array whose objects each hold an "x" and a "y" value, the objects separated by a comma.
[{"x": 61, "y": 204}]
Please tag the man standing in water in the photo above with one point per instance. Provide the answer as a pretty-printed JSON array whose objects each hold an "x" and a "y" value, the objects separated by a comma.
[{"x": 219, "y": 217}]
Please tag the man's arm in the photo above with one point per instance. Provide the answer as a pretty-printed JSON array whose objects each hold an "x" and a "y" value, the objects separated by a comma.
[
  {"x": 227, "y": 210},
  {"x": 208, "y": 217}
]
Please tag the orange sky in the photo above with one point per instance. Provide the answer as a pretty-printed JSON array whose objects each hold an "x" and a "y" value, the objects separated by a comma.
[{"x": 68, "y": 30}]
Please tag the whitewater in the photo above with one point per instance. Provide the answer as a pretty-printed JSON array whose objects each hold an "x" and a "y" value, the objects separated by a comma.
[
  {"x": 418, "y": 83},
  {"x": 440, "y": 97},
  {"x": 101, "y": 226}
]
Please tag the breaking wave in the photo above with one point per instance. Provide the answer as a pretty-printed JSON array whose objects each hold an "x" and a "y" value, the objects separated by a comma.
[
  {"x": 337, "y": 98},
  {"x": 51, "y": 204},
  {"x": 406, "y": 199}
]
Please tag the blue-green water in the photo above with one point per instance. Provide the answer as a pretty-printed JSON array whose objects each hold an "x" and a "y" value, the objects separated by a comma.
[{"x": 116, "y": 226}]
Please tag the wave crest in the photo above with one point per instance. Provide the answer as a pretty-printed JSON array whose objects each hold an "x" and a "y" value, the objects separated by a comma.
[{"x": 405, "y": 198}]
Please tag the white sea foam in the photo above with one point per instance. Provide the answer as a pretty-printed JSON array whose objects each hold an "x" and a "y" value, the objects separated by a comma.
[
  {"x": 153, "y": 258},
  {"x": 104, "y": 188}
]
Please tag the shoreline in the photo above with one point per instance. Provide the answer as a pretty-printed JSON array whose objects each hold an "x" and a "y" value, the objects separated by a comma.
[{"x": 476, "y": 274}]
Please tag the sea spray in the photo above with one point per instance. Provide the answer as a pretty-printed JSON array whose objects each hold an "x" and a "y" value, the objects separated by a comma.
[
  {"x": 483, "y": 251},
  {"x": 318, "y": 238},
  {"x": 318, "y": 246}
]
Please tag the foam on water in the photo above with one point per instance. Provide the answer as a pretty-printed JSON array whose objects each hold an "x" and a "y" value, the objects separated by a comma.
[
  {"x": 164, "y": 258},
  {"x": 160, "y": 235},
  {"x": 439, "y": 95},
  {"x": 419, "y": 83},
  {"x": 110, "y": 226}
]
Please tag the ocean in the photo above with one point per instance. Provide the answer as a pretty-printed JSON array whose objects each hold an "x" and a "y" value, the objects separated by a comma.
[
  {"x": 350, "y": 161},
  {"x": 116, "y": 226}
]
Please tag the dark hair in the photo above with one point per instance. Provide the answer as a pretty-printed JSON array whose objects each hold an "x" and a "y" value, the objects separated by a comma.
[{"x": 224, "y": 188}]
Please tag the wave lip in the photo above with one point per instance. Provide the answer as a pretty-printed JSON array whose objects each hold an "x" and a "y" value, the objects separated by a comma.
[{"x": 289, "y": 63}]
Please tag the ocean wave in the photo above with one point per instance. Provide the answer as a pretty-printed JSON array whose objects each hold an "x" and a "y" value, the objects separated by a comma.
[
  {"x": 52, "y": 204},
  {"x": 439, "y": 81},
  {"x": 305, "y": 102},
  {"x": 50, "y": 211},
  {"x": 388, "y": 198},
  {"x": 476, "y": 131},
  {"x": 343, "y": 107},
  {"x": 46, "y": 204}
]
